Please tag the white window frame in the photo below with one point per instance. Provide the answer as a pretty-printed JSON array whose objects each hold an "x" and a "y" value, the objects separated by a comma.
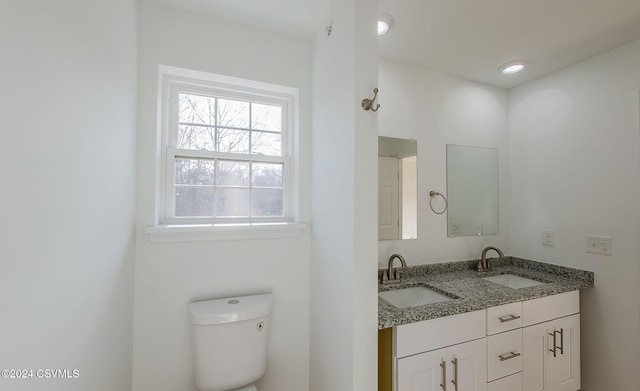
[{"x": 173, "y": 81}]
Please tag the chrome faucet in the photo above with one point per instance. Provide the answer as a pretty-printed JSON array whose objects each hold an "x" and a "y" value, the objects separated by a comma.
[
  {"x": 392, "y": 273},
  {"x": 483, "y": 263}
]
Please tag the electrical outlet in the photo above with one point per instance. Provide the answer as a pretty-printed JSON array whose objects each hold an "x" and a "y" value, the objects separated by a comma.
[
  {"x": 548, "y": 237},
  {"x": 599, "y": 245},
  {"x": 455, "y": 229}
]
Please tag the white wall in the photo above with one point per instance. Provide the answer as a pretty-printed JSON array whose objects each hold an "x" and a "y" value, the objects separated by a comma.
[
  {"x": 67, "y": 117},
  {"x": 170, "y": 275},
  {"x": 344, "y": 181},
  {"x": 574, "y": 168},
  {"x": 437, "y": 109}
]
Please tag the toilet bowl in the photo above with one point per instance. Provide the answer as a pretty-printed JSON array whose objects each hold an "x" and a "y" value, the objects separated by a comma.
[{"x": 229, "y": 340}]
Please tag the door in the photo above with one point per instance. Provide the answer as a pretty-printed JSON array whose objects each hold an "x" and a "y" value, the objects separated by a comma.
[{"x": 388, "y": 199}]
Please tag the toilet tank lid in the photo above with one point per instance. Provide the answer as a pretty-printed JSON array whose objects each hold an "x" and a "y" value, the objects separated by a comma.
[{"x": 230, "y": 309}]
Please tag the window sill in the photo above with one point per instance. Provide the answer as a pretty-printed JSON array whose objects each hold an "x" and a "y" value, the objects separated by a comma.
[{"x": 212, "y": 232}]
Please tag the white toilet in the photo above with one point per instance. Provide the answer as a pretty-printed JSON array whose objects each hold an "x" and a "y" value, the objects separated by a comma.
[{"x": 229, "y": 338}]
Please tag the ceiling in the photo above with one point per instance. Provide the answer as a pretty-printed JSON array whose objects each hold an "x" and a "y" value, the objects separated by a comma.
[
  {"x": 292, "y": 17},
  {"x": 466, "y": 38},
  {"x": 472, "y": 38}
]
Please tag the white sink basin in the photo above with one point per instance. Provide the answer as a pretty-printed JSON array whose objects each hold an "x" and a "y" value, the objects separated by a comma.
[
  {"x": 411, "y": 297},
  {"x": 513, "y": 281}
]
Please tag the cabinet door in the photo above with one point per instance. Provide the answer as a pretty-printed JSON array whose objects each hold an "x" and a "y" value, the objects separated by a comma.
[
  {"x": 469, "y": 362},
  {"x": 541, "y": 370},
  {"x": 460, "y": 367},
  {"x": 563, "y": 370},
  {"x": 423, "y": 372},
  {"x": 534, "y": 352}
]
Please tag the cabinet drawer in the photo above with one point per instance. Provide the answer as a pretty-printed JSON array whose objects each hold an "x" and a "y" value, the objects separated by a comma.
[
  {"x": 551, "y": 307},
  {"x": 504, "y": 354},
  {"x": 509, "y": 383},
  {"x": 504, "y": 318},
  {"x": 433, "y": 334}
]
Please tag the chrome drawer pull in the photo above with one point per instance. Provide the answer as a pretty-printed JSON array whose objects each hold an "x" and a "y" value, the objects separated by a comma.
[
  {"x": 508, "y": 318},
  {"x": 508, "y": 356},
  {"x": 554, "y": 344},
  {"x": 561, "y": 341},
  {"x": 555, "y": 340},
  {"x": 443, "y": 364},
  {"x": 455, "y": 373}
]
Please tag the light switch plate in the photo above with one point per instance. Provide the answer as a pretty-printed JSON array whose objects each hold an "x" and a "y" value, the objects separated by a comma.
[
  {"x": 599, "y": 245},
  {"x": 548, "y": 237}
]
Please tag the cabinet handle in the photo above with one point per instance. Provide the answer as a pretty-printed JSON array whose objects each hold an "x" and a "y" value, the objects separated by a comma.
[
  {"x": 455, "y": 373},
  {"x": 508, "y": 318},
  {"x": 561, "y": 341},
  {"x": 554, "y": 343},
  {"x": 443, "y": 364},
  {"x": 508, "y": 356}
]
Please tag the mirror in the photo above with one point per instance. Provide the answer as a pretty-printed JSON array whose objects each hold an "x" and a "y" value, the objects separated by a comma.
[
  {"x": 397, "y": 188},
  {"x": 472, "y": 190}
]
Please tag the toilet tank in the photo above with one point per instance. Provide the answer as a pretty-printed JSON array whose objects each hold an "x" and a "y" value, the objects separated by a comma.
[{"x": 229, "y": 340}]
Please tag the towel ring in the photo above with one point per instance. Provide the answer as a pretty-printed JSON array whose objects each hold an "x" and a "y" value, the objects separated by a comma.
[{"x": 432, "y": 194}]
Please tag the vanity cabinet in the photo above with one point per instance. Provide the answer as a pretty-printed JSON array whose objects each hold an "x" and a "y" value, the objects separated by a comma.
[{"x": 532, "y": 345}]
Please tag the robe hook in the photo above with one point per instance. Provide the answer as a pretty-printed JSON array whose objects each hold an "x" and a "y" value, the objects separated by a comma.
[{"x": 367, "y": 104}]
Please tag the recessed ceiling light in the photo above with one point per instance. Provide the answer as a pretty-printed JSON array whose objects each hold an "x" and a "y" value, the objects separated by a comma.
[
  {"x": 512, "y": 67},
  {"x": 385, "y": 22}
]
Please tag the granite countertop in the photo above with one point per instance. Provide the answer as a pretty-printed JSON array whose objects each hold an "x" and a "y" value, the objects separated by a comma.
[{"x": 470, "y": 292}]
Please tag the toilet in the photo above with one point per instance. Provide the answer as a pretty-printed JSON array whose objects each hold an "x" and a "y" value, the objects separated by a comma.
[{"x": 229, "y": 340}]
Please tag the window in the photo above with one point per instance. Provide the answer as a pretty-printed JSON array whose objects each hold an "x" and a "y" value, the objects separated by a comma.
[{"x": 227, "y": 146}]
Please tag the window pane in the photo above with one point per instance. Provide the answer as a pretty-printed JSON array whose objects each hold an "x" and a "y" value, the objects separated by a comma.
[
  {"x": 233, "y": 140},
  {"x": 232, "y": 202},
  {"x": 266, "y": 117},
  {"x": 231, "y": 173},
  {"x": 196, "y": 137},
  {"x": 233, "y": 113},
  {"x": 194, "y": 201},
  {"x": 266, "y": 202},
  {"x": 196, "y": 109},
  {"x": 266, "y": 143},
  {"x": 194, "y": 172},
  {"x": 267, "y": 174}
]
